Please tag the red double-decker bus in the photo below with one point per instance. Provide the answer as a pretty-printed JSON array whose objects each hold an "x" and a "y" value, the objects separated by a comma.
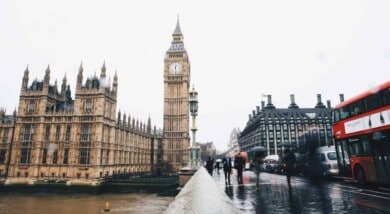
[{"x": 361, "y": 129}]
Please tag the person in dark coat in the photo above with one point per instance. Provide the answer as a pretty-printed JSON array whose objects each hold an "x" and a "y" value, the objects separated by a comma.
[
  {"x": 239, "y": 164},
  {"x": 210, "y": 165},
  {"x": 227, "y": 169},
  {"x": 289, "y": 161}
]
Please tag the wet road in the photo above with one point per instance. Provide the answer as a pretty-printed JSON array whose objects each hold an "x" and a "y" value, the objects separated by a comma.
[{"x": 332, "y": 196}]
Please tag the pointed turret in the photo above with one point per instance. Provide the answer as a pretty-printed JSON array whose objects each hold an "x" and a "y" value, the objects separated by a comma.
[
  {"x": 129, "y": 121},
  {"x": 177, "y": 39},
  {"x": 119, "y": 117},
  {"x": 115, "y": 84},
  {"x": 63, "y": 87},
  {"x": 149, "y": 126},
  {"x": 80, "y": 76},
  {"x": 124, "y": 119},
  {"x": 46, "y": 80},
  {"x": 103, "y": 73},
  {"x": 25, "y": 79},
  {"x": 55, "y": 89},
  {"x": 177, "y": 30}
]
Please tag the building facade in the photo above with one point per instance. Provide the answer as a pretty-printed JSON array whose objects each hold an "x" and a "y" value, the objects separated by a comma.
[
  {"x": 77, "y": 141},
  {"x": 233, "y": 147},
  {"x": 7, "y": 127},
  {"x": 55, "y": 137},
  {"x": 176, "y": 102},
  {"x": 300, "y": 129}
]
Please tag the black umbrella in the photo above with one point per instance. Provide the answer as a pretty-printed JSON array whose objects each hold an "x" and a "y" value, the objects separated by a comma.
[
  {"x": 284, "y": 144},
  {"x": 258, "y": 149}
]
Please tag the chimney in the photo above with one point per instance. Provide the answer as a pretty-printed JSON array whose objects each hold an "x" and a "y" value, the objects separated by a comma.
[
  {"x": 293, "y": 104},
  {"x": 341, "y": 98},
  {"x": 250, "y": 117},
  {"x": 319, "y": 102},
  {"x": 262, "y": 105},
  {"x": 254, "y": 113},
  {"x": 269, "y": 104},
  {"x": 328, "y": 104},
  {"x": 258, "y": 109},
  {"x": 318, "y": 98}
]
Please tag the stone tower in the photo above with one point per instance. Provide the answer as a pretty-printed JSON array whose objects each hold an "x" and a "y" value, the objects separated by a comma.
[{"x": 176, "y": 106}]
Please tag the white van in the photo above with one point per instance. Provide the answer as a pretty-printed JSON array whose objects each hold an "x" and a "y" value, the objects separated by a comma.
[{"x": 327, "y": 157}]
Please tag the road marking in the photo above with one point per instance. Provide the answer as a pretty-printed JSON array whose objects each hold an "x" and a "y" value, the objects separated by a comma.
[
  {"x": 362, "y": 193},
  {"x": 383, "y": 188},
  {"x": 366, "y": 190}
]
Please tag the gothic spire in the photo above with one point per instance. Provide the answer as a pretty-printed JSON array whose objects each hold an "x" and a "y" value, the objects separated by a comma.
[
  {"x": 80, "y": 76},
  {"x": 47, "y": 75},
  {"x": 25, "y": 79},
  {"x": 103, "y": 73},
  {"x": 177, "y": 30}
]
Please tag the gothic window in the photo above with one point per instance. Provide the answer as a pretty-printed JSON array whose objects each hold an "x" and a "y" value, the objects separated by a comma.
[
  {"x": 32, "y": 106},
  {"x": 84, "y": 151},
  {"x": 58, "y": 130},
  {"x": 25, "y": 155},
  {"x": 25, "y": 148},
  {"x": 88, "y": 105},
  {"x": 47, "y": 133},
  {"x": 55, "y": 156},
  {"x": 66, "y": 156},
  {"x": 44, "y": 155},
  {"x": 67, "y": 134},
  {"x": 2, "y": 156},
  {"x": 5, "y": 136}
]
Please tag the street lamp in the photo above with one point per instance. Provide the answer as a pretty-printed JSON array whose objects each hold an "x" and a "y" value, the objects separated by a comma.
[{"x": 194, "y": 150}]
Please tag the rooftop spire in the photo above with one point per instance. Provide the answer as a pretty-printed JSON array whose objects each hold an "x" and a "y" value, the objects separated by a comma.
[
  {"x": 103, "y": 73},
  {"x": 177, "y": 29}
]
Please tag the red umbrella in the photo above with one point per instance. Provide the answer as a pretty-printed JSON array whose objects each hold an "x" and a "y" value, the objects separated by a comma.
[{"x": 243, "y": 155}]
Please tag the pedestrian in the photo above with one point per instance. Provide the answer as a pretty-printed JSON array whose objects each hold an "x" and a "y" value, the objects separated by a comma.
[
  {"x": 217, "y": 166},
  {"x": 288, "y": 162},
  {"x": 258, "y": 164},
  {"x": 227, "y": 169},
  {"x": 239, "y": 164},
  {"x": 210, "y": 165}
]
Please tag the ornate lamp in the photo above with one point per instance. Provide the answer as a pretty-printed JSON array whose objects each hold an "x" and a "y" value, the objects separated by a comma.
[{"x": 194, "y": 151}]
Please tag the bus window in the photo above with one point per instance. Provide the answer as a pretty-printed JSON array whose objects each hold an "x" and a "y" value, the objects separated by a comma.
[
  {"x": 344, "y": 112},
  {"x": 357, "y": 107},
  {"x": 366, "y": 146},
  {"x": 336, "y": 115},
  {"x": 386, "y": 96},
  {"x": 355, "y": 147},
  {"x": 373, "y": 102}
]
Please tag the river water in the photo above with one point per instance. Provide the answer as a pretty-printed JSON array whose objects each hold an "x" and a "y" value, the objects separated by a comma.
[{"x": 19, "y": 203}]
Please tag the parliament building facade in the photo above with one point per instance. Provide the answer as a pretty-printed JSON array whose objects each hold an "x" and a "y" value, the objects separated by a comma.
[{"x": 82, "y": 140}]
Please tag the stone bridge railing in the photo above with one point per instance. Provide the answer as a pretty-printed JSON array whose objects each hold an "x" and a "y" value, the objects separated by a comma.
[{"x": 201, "y": 194}]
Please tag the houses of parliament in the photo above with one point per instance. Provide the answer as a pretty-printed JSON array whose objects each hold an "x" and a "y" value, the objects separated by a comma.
[{"x": 83, "y": 139}]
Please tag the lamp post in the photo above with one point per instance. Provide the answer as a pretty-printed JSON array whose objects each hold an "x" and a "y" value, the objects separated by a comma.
[{"x": 194, "y": 150}]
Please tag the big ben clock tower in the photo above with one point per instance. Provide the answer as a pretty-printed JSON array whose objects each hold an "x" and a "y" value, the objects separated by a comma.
[{"x": 176, "y": 105}]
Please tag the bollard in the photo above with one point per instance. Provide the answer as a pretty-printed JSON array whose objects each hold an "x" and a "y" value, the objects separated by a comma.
[{"x": 107, "y": 207}]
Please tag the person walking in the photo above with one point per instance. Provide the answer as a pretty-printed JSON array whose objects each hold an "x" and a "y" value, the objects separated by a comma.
[
  {"x": 289, "y": 162},
  {"x": 210, "y": 165},
  {"x": 227, "y": 169},
  {"x": 258, "y": 163},
  {"x": 239, "y": 164}
]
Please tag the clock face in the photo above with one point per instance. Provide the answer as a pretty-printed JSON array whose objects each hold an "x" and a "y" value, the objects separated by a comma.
[{"x": 175, "y": 68}]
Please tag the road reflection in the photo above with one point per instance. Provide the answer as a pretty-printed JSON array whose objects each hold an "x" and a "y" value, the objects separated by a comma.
[{"x": 274, "y": 196}]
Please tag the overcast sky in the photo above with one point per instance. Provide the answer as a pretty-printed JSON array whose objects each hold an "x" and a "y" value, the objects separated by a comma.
[{"x": 237, "y": 50}]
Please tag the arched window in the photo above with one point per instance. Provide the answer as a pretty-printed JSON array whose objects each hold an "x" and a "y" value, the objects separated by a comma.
[
  {"x": 88, "y": 105},
  {"x": 32, "y": 107}
]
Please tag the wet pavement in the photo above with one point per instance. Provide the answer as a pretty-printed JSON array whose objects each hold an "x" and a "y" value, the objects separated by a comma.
[{"x": 305, "y": 196}]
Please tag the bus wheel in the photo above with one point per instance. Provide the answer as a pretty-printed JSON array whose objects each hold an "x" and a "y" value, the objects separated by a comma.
[{"x": 360, "y": 176}]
